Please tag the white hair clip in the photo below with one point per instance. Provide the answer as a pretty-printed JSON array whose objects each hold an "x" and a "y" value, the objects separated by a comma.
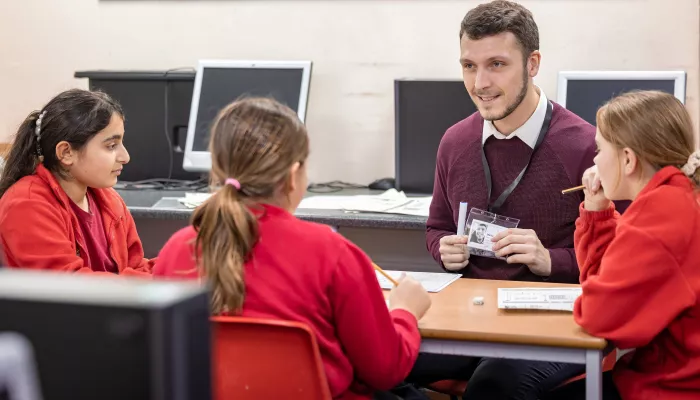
[
  {"x": 692, "y": 165},
  {"x": 37, "y": 132}
]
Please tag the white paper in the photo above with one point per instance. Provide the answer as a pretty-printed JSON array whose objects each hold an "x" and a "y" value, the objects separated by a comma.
[
  {"x": 462, "y": 219},
  {"x": 561, "y": 299},
  {"x": 416, "y": 206},
  {"x": 390, "y": 202},
  {"x": 433, "y": 282},
  {"x": 324, "y": 202},
  {"x": 376, "y": 203},
  {"x": 194, "y": 200}
]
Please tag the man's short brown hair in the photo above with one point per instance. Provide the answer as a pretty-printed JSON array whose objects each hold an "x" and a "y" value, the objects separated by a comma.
[{"x": 502, "y": 16}]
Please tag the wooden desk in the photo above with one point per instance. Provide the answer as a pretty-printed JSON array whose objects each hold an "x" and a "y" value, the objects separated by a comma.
[{"x": 454, "y": 325}]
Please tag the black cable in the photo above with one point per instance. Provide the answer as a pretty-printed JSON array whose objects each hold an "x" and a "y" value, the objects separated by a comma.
[
  {"x": 165, "y": 185},
  {"x": 333, "y": 186},
  {"x": 166, "y": 117}
]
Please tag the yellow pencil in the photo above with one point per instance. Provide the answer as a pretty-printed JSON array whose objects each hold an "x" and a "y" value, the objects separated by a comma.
[
  {"x": 381, "y": 271},
  {"x": 573, "y": 189}
]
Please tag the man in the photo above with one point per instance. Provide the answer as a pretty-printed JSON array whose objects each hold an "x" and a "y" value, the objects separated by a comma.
[
  {"x": 479, "y": 234},
  {"x": 516, "y": 133}
]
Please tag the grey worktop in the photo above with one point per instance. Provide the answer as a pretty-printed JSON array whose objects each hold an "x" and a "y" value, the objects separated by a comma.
[{"x": 157, "y": 204}]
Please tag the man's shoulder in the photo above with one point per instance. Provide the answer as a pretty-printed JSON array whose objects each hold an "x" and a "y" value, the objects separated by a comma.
[
  {"x": 467, "y": 129},
  {"x": 565, "y": 122},
  {"x": 568, "y": 133}
]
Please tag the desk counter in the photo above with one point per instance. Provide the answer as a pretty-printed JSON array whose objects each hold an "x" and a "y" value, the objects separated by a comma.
[
  {"x": 157, "y": 204},
  {"x": 391, "y": 240}
]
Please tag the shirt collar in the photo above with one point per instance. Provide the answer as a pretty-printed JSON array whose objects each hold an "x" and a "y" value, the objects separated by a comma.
[{"x": 528, "y": 132}]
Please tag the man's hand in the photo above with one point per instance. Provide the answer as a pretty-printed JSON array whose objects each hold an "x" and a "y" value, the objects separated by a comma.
[
  {"x": 522, "y": 246},
  {"x": 453, "y": 252}
]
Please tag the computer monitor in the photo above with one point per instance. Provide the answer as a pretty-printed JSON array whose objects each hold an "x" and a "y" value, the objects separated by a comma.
[
  {"x": 219, "y": 82},
  {"x": 423, "y": 111},
  {"x": 583, "y": 92},
  {"x": 18, "y": 379},
  {"x": 111, "y": 338}
]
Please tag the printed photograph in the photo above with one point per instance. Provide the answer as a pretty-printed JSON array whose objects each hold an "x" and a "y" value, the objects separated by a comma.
[{"x": 481, "y": 235}]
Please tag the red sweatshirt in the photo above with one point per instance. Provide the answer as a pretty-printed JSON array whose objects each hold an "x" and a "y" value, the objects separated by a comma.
[
  {"x": 640, "y": 281},
  {"x": 301, "y": 271},
  {"x": 39, "y": 230}
]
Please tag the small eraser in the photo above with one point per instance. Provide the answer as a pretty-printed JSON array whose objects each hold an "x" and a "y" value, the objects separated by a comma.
[{"x": 478, "y": 301}]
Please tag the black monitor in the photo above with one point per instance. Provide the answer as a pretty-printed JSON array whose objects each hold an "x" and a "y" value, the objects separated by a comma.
[
  {"x": 156, "y": 106},
  {"x": 111, "y": 338},
  {"x": 220, "y": 82},
  {"x": 424, "y": 110},
  {"x": 18, "y": 378},
  {"x": 583, "y": 92}
]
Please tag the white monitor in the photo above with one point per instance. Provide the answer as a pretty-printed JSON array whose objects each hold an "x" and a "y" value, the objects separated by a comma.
[
  {"x": 219, "y": 82},
  {"x": 583, "y": 92}
]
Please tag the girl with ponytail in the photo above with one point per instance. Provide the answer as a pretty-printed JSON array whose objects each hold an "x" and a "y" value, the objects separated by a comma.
[
  {"x": 58, "y": 210},
  {"x": 639, "y": 271},
  {"x": 261, "y": 261}
]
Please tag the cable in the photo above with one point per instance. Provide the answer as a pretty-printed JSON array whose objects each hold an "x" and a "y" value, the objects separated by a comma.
[
  {"x": 165, "y": 185},
  {"x": 166, "y": 117},
  {"x": 333, "y": 186}
]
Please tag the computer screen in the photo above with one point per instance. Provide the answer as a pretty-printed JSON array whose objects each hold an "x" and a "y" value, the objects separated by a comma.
[
  {"x": 218, "y": 83},
  {"x": 110, "y": 338},
  {"x": 583, "y": 92},
  {"x": 424, "y": 110}
]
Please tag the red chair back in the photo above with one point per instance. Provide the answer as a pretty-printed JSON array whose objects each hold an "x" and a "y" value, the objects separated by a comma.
[{"x": 265, "y": 359}]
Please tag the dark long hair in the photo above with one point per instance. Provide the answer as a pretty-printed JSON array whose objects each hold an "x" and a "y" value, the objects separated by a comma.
[{"x": 74, "y": 116}]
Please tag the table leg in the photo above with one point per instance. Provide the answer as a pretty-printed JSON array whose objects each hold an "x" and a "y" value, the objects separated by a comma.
[{"x": 594, "y": 375}]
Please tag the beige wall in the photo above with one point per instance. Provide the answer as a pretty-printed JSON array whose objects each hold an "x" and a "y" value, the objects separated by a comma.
[{"x": 358, "y": 47}]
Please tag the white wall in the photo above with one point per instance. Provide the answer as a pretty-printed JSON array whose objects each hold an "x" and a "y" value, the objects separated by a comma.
[{"x": 358, "y": 47}]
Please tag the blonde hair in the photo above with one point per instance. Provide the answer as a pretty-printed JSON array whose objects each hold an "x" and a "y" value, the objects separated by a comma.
[
  {"x": 655, "y": 125},
  {"x": 255, "y": 141}
]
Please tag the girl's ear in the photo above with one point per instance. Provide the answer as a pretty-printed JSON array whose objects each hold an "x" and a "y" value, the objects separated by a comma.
[
  {"x": 630, "y": 162},
  {"x": 291, "y": 179},
  {"x": 65, "y": 153}
]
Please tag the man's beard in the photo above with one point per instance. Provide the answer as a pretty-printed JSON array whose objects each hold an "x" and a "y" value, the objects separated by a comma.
[{"x": 509, "y": 110}]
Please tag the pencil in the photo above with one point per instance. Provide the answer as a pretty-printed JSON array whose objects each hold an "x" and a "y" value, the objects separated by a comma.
[
  {"x": 387, "y": 276},
  {"x": 573, "y": 189}
]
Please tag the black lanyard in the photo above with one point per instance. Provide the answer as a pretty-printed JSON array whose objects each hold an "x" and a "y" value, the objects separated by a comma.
[{"x": 502, "y": 198}]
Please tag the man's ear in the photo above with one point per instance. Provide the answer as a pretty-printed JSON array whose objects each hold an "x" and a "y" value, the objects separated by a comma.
[{"x": 533, "y": 63}]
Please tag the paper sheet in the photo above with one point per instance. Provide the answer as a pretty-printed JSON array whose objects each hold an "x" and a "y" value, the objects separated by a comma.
[
  {"x": 324, "y": 202},
  {"x": 433, "y": 282},
  {"x": 391, "y": 202},
  {"x": 194, "y": 200},
  {"x": 561, "y": 299}
]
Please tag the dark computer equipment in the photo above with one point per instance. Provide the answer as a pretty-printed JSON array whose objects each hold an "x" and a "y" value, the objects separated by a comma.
[
  {"x": 424, "y": 110},
  {"x": 383, "y": 184},
  {"x": 18, "y": 378},
  {"x": 220, "y": 82},
  {"x": 157, "y": 109},
  {"x": 111, "y": 338},
  {"x": 583, "y": 92}
]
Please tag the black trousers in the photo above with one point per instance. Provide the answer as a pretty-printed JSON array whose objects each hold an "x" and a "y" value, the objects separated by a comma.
[
  {"x": 493, "y": 378},
  {"x": 577, "y": 390}
]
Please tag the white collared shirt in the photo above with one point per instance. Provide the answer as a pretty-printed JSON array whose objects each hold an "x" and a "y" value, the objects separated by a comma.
[{"x": 528, "y": 132}]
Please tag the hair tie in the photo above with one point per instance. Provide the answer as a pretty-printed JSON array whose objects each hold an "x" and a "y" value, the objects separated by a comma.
[
  {"x": 692, "y": 165},
  {"x": 233, "y": 182},
  {"x": 37, "y": 132}
]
